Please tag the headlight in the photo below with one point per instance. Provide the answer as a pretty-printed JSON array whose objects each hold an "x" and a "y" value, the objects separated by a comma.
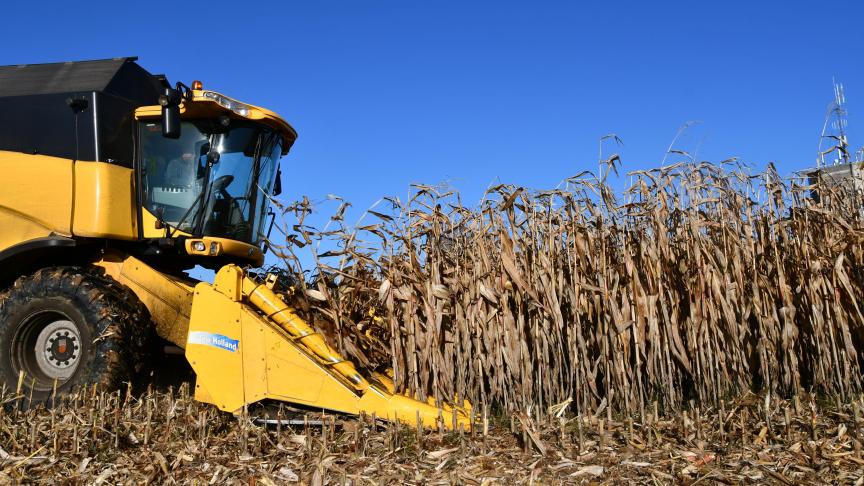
[{"x": 225, "y": 102}]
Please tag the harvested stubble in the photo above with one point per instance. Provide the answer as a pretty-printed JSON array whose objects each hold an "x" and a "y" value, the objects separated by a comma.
[
  {"x": 168, "y": 438},
  {"x": 696, "y": 283}
]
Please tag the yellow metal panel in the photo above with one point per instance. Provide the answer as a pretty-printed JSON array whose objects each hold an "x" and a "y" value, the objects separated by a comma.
[
  {"x": 148, "y": 222},
  {"x": 168, "y": 298},
  {"x": 228, "y": 282},
  {"x": 284, "y": 316},
  {"x": 254, "y": 357},
  {"x": 152, "y": 112},
  {"x": 297, "y": 377},
  {"x": 214, "y": 246},
  {"x": 282, "y": 364},
  {"x": 214, "y": 348},
  {"x": 240, "y": 359},
  {"x": 202, "y": 107},
  {"x": 35, "y": 197},
  {"x": 16, "y": 228},
  {"x": 104, "y": 201},
  {"x": 148, "y": 225}
]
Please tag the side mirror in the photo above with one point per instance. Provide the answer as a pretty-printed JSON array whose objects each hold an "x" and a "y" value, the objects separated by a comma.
[
  {"x": 170, "y": 102},
  {"x": 272, "y": 215},
  {"x": 277, "y": 185}
]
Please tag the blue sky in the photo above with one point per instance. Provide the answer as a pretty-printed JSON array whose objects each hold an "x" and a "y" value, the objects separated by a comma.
[{"x": 386, "y": 93}]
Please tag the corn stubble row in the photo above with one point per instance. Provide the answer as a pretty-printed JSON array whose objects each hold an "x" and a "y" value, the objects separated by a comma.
[
  {"x": 166, "y": 437},
  {"x": 694, "y": 283}
]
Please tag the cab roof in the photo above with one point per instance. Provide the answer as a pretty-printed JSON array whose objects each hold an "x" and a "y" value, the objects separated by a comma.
[
  {"x": 39, "y": 103},
  {"x": 121, "y": 77}
]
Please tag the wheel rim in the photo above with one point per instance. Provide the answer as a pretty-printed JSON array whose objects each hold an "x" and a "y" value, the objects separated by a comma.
[{"x": 47, "y": 349}]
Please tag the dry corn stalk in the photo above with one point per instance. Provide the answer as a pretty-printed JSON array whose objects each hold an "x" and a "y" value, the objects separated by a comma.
[{"x": 695, "y": 283}]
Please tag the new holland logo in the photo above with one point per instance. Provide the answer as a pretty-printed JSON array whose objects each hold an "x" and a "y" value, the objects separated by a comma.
[{"x": 215, "y": 340}]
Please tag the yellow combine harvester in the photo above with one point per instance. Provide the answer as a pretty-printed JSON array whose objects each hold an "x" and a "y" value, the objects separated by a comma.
[{"x": 113, "y": 184}]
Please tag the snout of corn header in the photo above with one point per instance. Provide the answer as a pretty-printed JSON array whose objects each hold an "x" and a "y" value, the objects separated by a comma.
[{"x": 246, "y": 345}]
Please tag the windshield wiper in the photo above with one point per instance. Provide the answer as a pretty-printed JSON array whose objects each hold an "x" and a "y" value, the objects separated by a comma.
[
  {"x": 212, "y": 158},
  {"x": 186, "y": 214}
]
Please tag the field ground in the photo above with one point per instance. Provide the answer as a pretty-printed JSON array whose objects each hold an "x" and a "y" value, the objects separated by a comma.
[{"x": 168, "y": 438}]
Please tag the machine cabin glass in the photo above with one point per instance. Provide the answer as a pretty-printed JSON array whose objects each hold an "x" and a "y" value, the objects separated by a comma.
[{"x": 215, "y": 180}]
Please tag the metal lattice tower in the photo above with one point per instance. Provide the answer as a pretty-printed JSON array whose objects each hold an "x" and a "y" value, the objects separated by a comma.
[{"x": 834, "y": 130}]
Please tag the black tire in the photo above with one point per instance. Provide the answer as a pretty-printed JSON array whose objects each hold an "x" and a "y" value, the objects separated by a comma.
[{"x": 91, "y": 331}]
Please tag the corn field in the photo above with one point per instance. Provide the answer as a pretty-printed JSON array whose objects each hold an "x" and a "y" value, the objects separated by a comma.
[
  {"x": 695, "y": 282},
  {"x": 608, "y": 336}
]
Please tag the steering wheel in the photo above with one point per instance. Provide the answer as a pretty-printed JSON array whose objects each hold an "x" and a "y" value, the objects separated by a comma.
[{"x": 222, "y": 182}]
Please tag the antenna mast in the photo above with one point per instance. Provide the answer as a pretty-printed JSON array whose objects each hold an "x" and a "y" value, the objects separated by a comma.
[{"x": 834, "y": 129}]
